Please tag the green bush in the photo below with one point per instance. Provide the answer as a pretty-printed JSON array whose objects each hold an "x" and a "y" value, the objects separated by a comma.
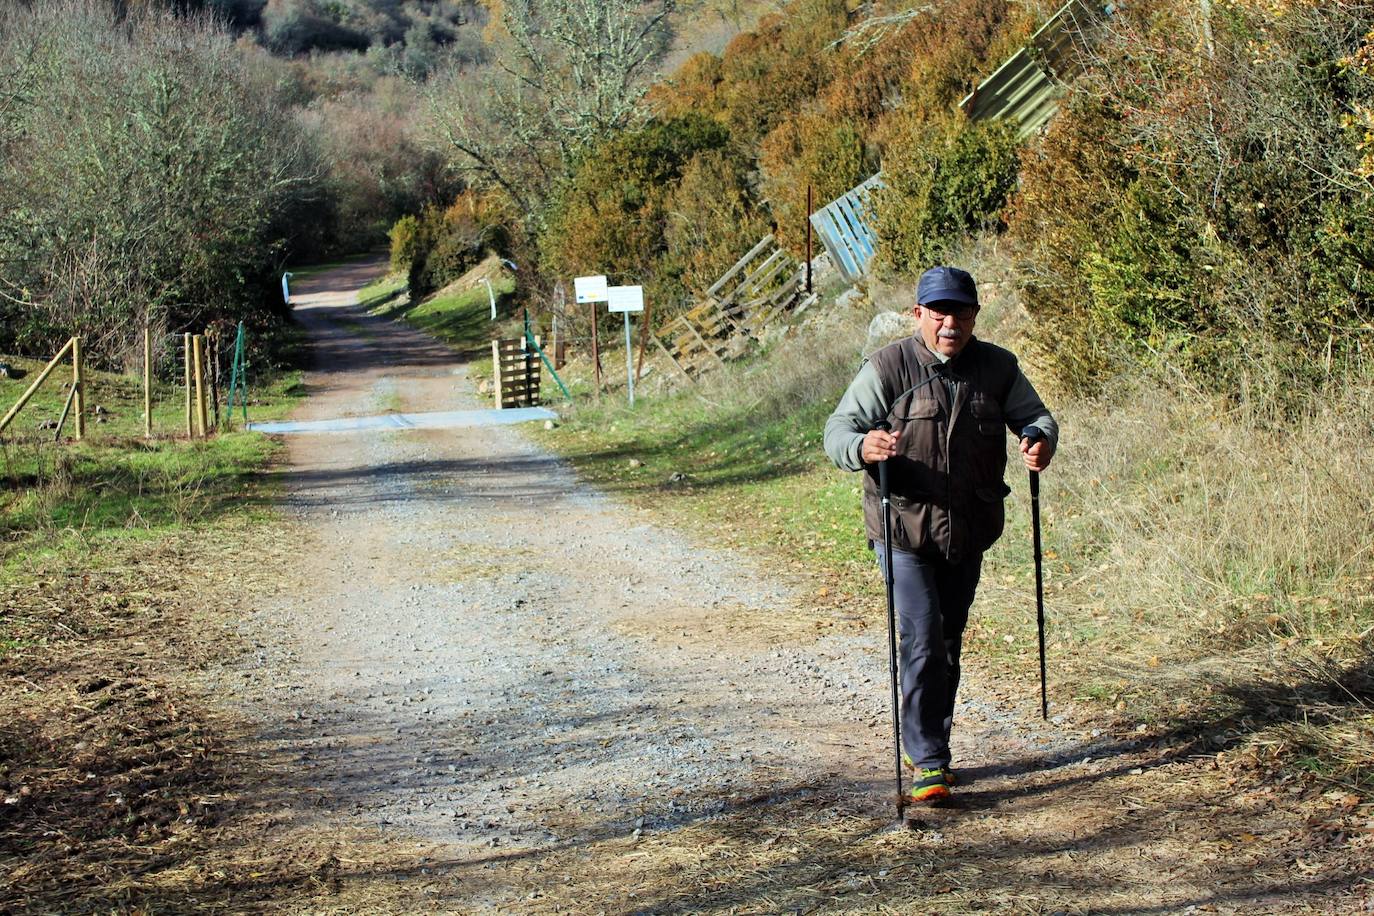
[
  {"x": 404, "y": 243},
  {"x": 942, "y": 180},
  {"x": 1208, "y": 211},
  {"x": 612, "y": 215},
  {"x": 813, "y": 150},
  {"x": 439, "y": 246},
  {"x": 714, "y": 217}
]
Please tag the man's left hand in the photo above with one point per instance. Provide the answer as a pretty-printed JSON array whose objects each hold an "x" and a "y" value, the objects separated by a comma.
[{"x": 1036, "y": 456}]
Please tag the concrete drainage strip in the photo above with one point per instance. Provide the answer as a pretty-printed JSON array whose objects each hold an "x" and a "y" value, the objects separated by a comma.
[{"x": 443, "y": 419}]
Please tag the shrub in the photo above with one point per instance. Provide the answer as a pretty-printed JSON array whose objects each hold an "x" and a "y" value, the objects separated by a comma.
[
  {"x": 445, "y": 244},
  {"x": 1211, "y": 211},
  {"x": 713, "y": 219},
  {"x": 814, "y": 150},
  {"x": 611, "y": 215},
  {"x": 297, "y": 26},
  {"x": 942, "y": 180},
  {"x": 147, "y": 175},
  {"x": 404, "y": 243},
  {"x": 772, "y": 72}
]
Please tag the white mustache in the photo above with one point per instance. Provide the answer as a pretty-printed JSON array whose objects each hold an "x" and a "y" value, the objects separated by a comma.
[{"x": 950, "y": 334}]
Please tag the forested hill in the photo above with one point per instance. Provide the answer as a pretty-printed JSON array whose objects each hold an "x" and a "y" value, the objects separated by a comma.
[{"x": 215, "y": 143}]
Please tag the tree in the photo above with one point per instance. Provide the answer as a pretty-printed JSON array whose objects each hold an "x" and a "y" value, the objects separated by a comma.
[
  {"x": 568, "y": 75},
  {"x": 148, "y": 176}
]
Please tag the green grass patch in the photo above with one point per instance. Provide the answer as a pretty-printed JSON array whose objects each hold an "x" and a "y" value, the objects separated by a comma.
[
  {"x": 460, "y": 319},
  {"x": 383, "y": 291},
  {"x": 73, "y": 497}
]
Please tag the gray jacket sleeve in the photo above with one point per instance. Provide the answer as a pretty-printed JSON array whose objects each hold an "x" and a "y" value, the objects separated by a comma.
[
  {"x": 859, "y": 410},
  {"x": 1024, "y": 408}
]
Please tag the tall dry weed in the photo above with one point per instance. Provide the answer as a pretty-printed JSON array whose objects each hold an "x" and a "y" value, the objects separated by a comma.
[{"x": 1213, "y": 542}]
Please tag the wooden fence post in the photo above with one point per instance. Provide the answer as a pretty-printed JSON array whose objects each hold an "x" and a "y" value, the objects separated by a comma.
[
  {"x": 197, "y": 348},
  {"x": 147, "y": 382},
  {"x": 79, "y": 383},
  {"x": 186, "y": 358}
]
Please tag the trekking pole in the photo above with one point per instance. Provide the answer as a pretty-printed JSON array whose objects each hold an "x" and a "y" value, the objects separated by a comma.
[
  {"x": 1034, "y": 434},
  {"x": 891, "y": 622}
]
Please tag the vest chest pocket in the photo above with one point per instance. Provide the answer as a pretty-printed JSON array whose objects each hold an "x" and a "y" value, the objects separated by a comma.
[
  {"x": 987, "y": 413},
  {"x": 920, "y": 409}
]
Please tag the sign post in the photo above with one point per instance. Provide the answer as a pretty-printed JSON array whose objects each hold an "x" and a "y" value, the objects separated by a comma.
[
  {"x": 589, "y": 291},
  {"x": 627, "y": 299}
]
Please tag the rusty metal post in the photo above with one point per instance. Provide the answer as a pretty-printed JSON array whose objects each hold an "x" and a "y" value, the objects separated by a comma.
[{"x": 809, "y": 211}]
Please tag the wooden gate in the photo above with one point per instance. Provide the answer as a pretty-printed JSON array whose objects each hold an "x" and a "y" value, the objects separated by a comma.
[{"x": 516, "y": 369}]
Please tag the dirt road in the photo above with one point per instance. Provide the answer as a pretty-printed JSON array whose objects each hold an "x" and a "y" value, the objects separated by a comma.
[{"x": 575, "y": 709}]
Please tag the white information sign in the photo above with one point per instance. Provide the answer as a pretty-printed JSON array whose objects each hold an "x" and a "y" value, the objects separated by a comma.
[
  {"x": 625, "y": 298},
  {"x": 590, "y": 289}
]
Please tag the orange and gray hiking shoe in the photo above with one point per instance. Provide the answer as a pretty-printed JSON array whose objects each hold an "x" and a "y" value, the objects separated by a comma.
[
  {"x": 949, "y": 774},
  {"x": 928, "y": 785}
]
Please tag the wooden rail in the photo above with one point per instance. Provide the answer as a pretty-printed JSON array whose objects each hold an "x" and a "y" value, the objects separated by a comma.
[{"x": 71, "y": 346}]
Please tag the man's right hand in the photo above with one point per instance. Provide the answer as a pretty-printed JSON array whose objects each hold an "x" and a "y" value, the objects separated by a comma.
[{"x": 878, "y": 445}]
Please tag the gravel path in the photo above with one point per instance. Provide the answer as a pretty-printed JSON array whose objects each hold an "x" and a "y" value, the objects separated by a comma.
[{"x": 476, "y": 649}]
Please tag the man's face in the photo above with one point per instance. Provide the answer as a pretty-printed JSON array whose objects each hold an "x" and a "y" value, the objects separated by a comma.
[{"x": 946, "y": 327}]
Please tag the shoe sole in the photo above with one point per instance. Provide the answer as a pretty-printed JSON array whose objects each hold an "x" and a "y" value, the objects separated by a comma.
[
  {"x": 950, "y": 779},
  {"x": 928, "y": 795}
]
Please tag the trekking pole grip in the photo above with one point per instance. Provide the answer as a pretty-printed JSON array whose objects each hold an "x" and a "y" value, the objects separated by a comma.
[
  {"x": 882, "y": 465},
  {"x": 1033, "y": 434}
]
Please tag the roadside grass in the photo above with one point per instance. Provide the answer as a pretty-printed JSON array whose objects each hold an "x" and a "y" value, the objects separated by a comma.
[
  {"x": 1207, "y": 567},
  {"x": 384, "y": 290}
]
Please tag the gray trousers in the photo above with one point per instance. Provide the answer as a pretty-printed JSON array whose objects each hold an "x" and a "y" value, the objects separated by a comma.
[{"x": 932, "y": 598}]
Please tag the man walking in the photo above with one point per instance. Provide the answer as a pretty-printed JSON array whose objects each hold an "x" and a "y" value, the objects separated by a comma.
[{"x": 947, "y": 398}]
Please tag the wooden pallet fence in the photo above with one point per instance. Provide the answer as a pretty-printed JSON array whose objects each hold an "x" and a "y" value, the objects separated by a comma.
[
  {"x": 698, "y": 340},
  {"x": 764, "y": 285},
  {"x": 516, "y": 371}
]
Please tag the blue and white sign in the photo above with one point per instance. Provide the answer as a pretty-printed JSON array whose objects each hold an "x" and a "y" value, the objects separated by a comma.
[{"x": 590, "y": 289}]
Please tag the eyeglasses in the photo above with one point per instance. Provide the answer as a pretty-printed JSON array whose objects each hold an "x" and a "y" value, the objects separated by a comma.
[{"x": 959, "y": 310}]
